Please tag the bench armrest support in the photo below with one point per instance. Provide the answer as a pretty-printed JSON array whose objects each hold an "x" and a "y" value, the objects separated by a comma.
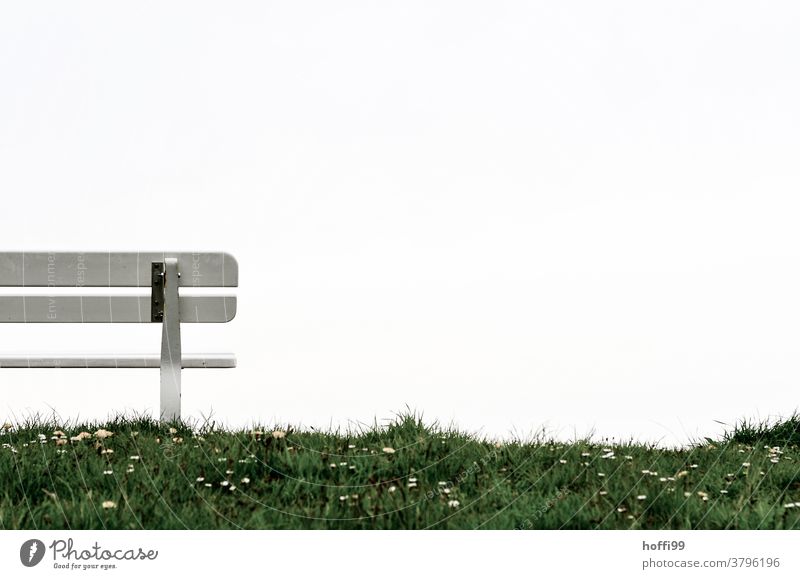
[{"x": 170, "y": 343}]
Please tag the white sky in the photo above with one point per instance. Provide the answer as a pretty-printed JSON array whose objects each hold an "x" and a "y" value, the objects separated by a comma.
[{"x": 577, "y": 215}]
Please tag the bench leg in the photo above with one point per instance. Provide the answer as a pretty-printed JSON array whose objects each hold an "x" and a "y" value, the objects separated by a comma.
[{"x": 171, "y": 357}]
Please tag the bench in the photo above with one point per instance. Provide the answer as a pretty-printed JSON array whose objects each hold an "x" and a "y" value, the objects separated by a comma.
[{"x": 164, "y": 273}]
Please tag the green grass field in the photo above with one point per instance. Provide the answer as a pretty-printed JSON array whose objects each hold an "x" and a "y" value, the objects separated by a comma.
[{"x": 406, "y": 475}]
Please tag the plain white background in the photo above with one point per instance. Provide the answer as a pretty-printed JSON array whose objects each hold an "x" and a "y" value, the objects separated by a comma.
[{"x": 573, "y": 215}]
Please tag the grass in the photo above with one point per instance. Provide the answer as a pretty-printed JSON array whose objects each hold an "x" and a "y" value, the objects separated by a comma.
[{"x": 406, "y": 475}]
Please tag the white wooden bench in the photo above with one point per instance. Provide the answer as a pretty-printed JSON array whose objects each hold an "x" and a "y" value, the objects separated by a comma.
[{"x": 163, "y": 273}]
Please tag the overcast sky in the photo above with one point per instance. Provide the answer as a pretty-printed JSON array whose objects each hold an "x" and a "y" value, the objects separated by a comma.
[{"x": 572, "y": 215}]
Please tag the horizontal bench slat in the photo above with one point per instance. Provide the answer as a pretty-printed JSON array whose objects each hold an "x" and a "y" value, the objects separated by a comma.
[
  {"x": 113, "y": 269},
  {"x": 110, "y": 309},
  {"x": 110, "y": 361}
]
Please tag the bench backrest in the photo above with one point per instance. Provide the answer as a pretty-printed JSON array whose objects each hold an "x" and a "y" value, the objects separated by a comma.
[{"x": 113, "y": 269}]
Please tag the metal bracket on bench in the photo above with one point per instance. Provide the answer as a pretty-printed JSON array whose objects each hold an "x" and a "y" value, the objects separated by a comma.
[
  {"x": 165, "y": 295},
  {"x": 157, "y": 292}
]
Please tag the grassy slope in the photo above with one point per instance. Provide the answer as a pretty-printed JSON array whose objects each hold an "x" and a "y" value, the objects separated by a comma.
[{"x": 435, "y": 478}]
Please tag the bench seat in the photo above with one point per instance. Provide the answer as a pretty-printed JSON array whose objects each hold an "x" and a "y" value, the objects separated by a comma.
[{"x": 116, "y": 361}]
